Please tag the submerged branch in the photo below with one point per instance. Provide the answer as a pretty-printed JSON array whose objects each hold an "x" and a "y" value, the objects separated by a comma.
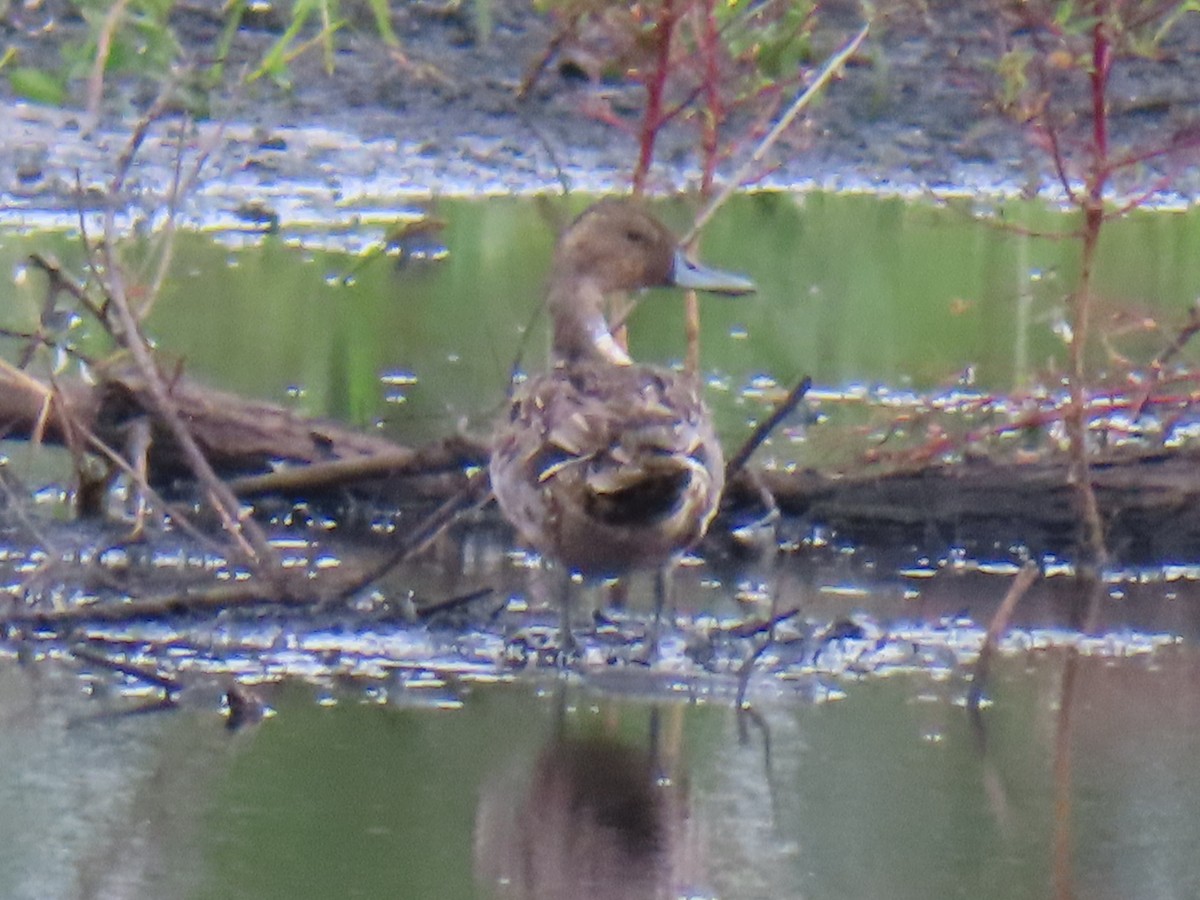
[
  {"x": 996, "y": 629},
  {"x": 764, "y": 428}
]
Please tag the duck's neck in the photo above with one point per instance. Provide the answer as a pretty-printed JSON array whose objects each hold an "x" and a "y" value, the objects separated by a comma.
[{"x": 581, "y": 332}]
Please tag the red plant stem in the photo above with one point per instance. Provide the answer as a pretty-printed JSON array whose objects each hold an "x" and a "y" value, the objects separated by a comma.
[
  {"x": 1101, "y": 63},
  {"x": 652, "y": 117},
  {"x": 1098, "y": 404},
  {"x": 1093, "y": 214},
  {"x": 1094, "y": 546},
  {"x": 1060, "y": 163}
]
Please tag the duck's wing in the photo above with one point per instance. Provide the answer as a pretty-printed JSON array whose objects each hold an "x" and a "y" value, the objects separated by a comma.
[
  {"x": 643, "y": 444},
  {"x": 608, "y": 469}
]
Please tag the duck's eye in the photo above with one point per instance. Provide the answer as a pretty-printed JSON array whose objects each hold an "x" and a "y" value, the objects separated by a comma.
[{"x": 635, "y": 237}]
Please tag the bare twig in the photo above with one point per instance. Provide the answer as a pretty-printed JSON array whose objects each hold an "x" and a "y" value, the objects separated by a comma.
[
  {"x": 95, "y": 89},
  {"x": 452, "y": 603},
  {"x": 828, "y": 72},
  {"x": 996, "y": 628},
  {"x": 181, "y": 186},
  {"x": 59, "y": 282},
  {"x": 145, "y": 492},
  {"x": 474, "y": 494},
  {"x": 767, "y": 631},
  {"x": 1181, "y": 339},
  {"x": 77, "y": 436},
  {"x": 1062, "y": 870},
  {"x": 243, "y": 529},
  {"x": 539, "y": 65},
  {"x": 209, "y": 600},
  {"x": 141, "y": 673},
  {"x": 326, "y": 475},
  {"x": 764, "y": 428}
]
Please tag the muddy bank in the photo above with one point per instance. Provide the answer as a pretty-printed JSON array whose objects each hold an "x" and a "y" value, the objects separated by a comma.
[{"x": 915, "y": 110}]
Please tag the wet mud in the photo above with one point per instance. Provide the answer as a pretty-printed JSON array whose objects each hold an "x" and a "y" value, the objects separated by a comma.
[{"x": 917, "y": 109}]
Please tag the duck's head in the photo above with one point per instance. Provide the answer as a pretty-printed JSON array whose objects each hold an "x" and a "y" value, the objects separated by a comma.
[{"x": 615, "y": 245}]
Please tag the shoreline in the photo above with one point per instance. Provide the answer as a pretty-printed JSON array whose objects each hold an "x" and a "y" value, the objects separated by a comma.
[
  {"x": 315, "y": 177},
  {"x": 914, "y": 115}
]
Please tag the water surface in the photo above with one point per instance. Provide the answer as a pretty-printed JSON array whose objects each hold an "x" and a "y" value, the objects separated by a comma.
[{"x": 416, "y": 760}]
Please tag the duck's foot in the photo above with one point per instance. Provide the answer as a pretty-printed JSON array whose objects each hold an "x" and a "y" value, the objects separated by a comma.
[
  {"x": 569, "y": 651},
  {"x": 646, "y": 652}
]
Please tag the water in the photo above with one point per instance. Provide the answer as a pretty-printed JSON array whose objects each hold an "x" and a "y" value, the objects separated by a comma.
[
  {"x": 853, "y": 290},
  {"x": 882, "y": 792},
  {"x": 429, "y": 758}
]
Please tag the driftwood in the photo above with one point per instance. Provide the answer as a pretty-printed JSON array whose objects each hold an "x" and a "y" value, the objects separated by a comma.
[
  {"x": 244, "y": 440},
  {"x": 1150, "y": 503}
]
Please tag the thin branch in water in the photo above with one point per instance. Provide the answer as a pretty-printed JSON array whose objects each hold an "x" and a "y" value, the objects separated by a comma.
[
  {"x": 1181, "y": 340},
  {"x": 59, "y": 282},
  {"x": 746, "y": 669},
  {"x": 245, "y": 706},
  {"x": 324, "y": 476},
  {"x": 243, "y": 529},
  {"x": 560, "y": 174},
  {"x": 142, "y": 128},
  {"x": 145, "y": 490},
  {"x": 16, "y": 500},
  {"x": 764, "y": 428},
  {"x": 181, "y": 187},
  {"x": 1063, "y": 871},
  {"x": 246, "y": 533},
  {"x": 94, "y": 265},
  {"x": 218, "y": 598},
  {"x": 746, "y": 716},
  {"x": 150, "y": 676},
  {"x": 996, "y": 628},
  {"x": 473, "y": 495},
  {"x": 425, "y": 613}
]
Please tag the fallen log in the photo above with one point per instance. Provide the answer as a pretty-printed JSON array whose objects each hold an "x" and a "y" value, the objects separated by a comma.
[
  {"x": 247, "y": 440},
  {"x": 1150, "y": 500}
]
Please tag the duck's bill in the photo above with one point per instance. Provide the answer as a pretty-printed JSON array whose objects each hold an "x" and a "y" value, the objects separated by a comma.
[{"x": 687, "y": 274}]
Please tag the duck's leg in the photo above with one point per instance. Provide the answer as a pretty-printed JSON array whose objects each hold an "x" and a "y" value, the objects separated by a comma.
[
  {"x": 663, "y": 580},
  {"x": 567, "y": 648}
]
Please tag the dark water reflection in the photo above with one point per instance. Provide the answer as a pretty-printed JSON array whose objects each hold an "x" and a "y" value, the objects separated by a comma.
[
  {"x": 596, "y": 816},
  {"x": 498, "y": 793}
]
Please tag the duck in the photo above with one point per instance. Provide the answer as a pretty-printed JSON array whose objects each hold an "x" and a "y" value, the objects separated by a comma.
[{"x": 602, "y": 465}]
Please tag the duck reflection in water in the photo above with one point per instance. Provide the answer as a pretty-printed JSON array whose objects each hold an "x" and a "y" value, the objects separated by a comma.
[
  {"x": 602, "y": 465},
  {"x": 596, "y": 819}
]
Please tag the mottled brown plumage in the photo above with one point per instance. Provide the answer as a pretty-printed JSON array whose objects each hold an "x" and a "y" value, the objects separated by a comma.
[
  {"x": 602, "y": 465},
  {"x": 607, "y": 468}
]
